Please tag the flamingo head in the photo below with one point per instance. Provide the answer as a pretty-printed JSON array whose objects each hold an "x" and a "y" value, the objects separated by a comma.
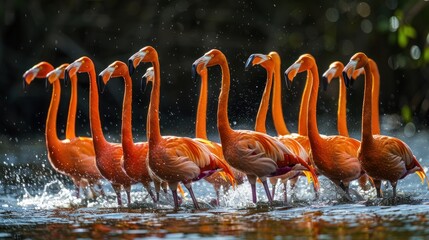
[
  {"x": 258, "y": 59},
  {"x": 211, "y": 58},
  {"x": 304, "y": 62},
  {"x": 335, "y": 70},
  {"x": 39, "y": 70},
  {"x": 357, "y": 61},
  {"x": 146, "y": 54},
  {"x": 83, "y": 64},
  {"x": 57, "y": 73},
  {"x": 115, "y": 69},
  {"x": 149, "y": 75}
]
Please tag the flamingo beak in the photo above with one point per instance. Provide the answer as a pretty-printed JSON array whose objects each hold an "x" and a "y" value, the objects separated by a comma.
[
  {"x": 53, "y": 75},
  {"x": 104, "y": 77},
  {"x": 204, "y": 60},
  {"x": 135, "y": 60},
  {"x": 29, "y": 76},
  {"x": 149, "y": 75},
  {"x": 255, "y": 59},
  {"x": 291, "y": 72},
  {"x": 348, "y": 71},
  {"x": 327, "y": 77},
  {"x": 355, "y": 75},
  {"x": 72, "y": 70}
]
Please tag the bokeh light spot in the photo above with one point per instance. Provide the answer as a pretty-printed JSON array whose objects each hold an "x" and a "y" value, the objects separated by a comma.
[
  {"x": 332, "y": 14},
  {"x": 393, "y": 24},
  {"x": 366, "y": 26},
  {"x": 415, "y": 52},
  {"x": 363, "y": 9}
]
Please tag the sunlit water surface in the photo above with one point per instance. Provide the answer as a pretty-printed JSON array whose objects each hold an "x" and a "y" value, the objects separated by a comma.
[{"x": 36, "y": 202}]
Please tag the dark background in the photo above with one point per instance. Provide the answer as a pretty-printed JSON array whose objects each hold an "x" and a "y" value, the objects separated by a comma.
[{"x": 394, "y": 33}]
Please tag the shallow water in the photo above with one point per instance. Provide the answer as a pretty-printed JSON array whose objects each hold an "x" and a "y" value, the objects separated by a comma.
[{"x": 36, "y": 202}]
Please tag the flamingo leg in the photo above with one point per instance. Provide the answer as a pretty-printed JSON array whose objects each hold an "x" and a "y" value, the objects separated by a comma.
[
  {"x": 394, "y": 189},
  {"x": 149, "y": 190},
  {"x": 267, "y": 189},
  {"x": 191, "y": 192},
  {"x": 128, "y": 191},
  {"x": 252, "y": 181},
  {"x": 273, "y": 188},
  {"x": 173, "y": 187},
  {"x": 117, "y": 189},
  {"x": 377, "y": 184},
  {"x": 285, "y": 190}
]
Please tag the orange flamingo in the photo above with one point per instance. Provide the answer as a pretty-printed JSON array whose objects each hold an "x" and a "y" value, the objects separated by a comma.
[
  {"x": 108, "y": 155},
  {"x": 382, "y": 157},
  {"x": 334, "y": 156},
  {"x": 256, "y": 154},
  {"x": 335, "y": 71},
  {"x": 72, "y": 157},
  {"x": 217, "y": 179},
  {"x": 271, "y": 63},
  {"x": 174, "y": 159},
  {"x": 134, "y": 158}
]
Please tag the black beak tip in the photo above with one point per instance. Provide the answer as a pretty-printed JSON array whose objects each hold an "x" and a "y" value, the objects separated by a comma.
[
  {"x": 194, "y": 72},
  {"x": 249, "y": 62},
  {"x": 346, "y": 79},
  {"x": 66, "y": 76},
  {"x": 100, "y": 83},
  {"x": 131, "y": 67},
  {"x": 325, "y": 83},
  {"x": 288, "y": 82},
  {"x": 24, "y": 84}
]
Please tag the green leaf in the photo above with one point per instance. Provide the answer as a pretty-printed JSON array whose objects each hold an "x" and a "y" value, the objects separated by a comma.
[
  {"x": 402, "y": 38},
  {"x": 426, "y": 54}
]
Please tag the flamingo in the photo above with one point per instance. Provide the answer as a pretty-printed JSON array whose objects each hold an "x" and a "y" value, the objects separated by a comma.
[
  {"x": 174, "y": 159},
  {"x": 74, "y": 156},
  {"x": 271, "y": 63},
  {"x": 134, "y": 154},
  {"x": 217, "y": 179},
  {"x": 375, "y": 119},
  {"x": 382, "y": 157},
  {"x": 108, "y": 155},
  {"x": 335, "y": 71},
  {"x": 256, "y": 154},
  {"x": 334, "y": 156}
]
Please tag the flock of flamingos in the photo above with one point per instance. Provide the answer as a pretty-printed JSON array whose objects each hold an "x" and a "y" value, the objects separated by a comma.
[{"x": 169, "y": 160}]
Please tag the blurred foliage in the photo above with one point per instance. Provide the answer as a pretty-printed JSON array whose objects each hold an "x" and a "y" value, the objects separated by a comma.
[{"x": 392, "y": 32}]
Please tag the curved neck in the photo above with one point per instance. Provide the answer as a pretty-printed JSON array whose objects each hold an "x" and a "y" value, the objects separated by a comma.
[
  {"x": 222, "y": 110},
  {"x": 127, "y": 132},
  {"x": 277, "y": 110},
  {"x": 303, "y": 110},
  {"x": 375, "y": 95},
  {"x": 201, "y": 122},
  {"x": 94, "y": 113},
  {"x": 71, "y": 118},
  {"x": 261, "y": 117},
  {"x": 342, "y": 108},
  {"x": 51, "y": 120},
  {"x": 153, "y": 113},
  {"x": 313, "y": 132},
  {"x": 367, "y": 106}
]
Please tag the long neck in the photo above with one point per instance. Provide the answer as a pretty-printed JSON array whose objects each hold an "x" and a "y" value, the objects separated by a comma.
[
  {"x": 127, "y": 132},
  {"x": 277, "y": 110},
  {"x": 153, "y": 113},
  {"x": 261, "y": 117},
  {"x": 222, "y": 110},
  {"x": 94, "y": 113},
  {"x": 303, "y": 110},
  {"x": 375, "y": 95},
  {"x": 201, "y": 122},
  {"x": 367, "y": 106},
  {"x": 342, "y": 110},
  {"x": 313, "y": 132},
  {"x": 71, "y": 118},
  {"x": 51, "y": 120}
]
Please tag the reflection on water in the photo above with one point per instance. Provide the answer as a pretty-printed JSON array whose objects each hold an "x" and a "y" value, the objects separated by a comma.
[{"x": 36, "y": 202}]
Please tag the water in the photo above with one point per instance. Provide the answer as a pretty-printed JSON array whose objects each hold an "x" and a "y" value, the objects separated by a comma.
[{"x": 36, "y": 202}]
